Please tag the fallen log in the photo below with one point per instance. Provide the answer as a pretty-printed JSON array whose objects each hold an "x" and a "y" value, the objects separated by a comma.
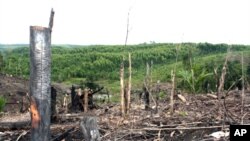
[
  {"x": 14, "y": 125},
  {"x": 179, "y": 128}
]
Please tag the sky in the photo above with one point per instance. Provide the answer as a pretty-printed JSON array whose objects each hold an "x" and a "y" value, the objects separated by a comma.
[{"x": 89, "y": 22}]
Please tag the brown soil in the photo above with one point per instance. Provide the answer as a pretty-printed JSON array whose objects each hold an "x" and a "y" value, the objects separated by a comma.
[{"x": 195, "y": 119}]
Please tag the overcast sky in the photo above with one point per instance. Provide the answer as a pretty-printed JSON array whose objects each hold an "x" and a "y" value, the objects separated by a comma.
[{"x": 104, "y": 21}]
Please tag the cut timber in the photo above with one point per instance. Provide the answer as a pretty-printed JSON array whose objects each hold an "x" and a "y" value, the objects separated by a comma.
[
  {"x": 40, "y": 87},
  {"x": 89, "y": 128}
]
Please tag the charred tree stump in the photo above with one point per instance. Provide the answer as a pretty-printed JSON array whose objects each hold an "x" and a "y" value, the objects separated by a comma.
[
  {"x": 40, "y": 71},
  {"x": 89, "y": 128},
  {"x": 53, "y": 104},
  {"x": 126, "y": 99},
  {"x": 146, "y": 98},
  {"x": 73, "y": 101}
]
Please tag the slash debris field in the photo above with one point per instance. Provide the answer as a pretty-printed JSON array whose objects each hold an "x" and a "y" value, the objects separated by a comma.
[{"x": 196, "y": 117}]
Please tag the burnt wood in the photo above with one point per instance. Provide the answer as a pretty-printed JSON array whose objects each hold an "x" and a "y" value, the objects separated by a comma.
[{"x": 40, "y": 87}]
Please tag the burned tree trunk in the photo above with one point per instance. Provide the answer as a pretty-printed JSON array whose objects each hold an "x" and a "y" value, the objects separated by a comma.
[
  {"x": 40, "y": 71},
  {"x": 74, "y": 102}
]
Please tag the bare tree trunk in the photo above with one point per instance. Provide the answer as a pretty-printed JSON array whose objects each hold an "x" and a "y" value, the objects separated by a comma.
[
  {"x": 172, "y": 92},
  {"x": 122, "y": 89},
  {"x": 40, "y": 87},
  {"x": 65, "y": 103},
  {"x": 157, "y": 95},
  {"x": 86, "y": 100},
  {"x": 222, "y": 80},
  {"x": 151, "y": 79},
  {"x": 129, "y": 83},
  {"x": 173, "y": 72},
  {"x": 147, "y": 87},
  {"x": 220, "y": 92},
  {"x": 243, "y": 85}
]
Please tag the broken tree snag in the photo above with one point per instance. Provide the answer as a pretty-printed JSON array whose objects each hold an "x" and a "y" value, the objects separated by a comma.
[
  {"x": 40, "y": 87},
  {"x": 89, "y": 128}
]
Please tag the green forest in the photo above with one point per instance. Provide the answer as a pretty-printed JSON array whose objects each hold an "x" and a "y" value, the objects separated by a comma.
[{"x": 198, "y": 65}]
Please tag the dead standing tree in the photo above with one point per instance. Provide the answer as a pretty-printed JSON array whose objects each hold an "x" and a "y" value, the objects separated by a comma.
[
  {"x": 129, "y": 83},
  {"x": 122, "y": 89},
  {"x": 147, "y": 88},
  {"x": 125, "y": 93},
  {"x": 243, "y": 86},
  {"x": 220, "y": 91},
  {"x": 173, "y": 78},
  {"x": 40, "y": 87}
]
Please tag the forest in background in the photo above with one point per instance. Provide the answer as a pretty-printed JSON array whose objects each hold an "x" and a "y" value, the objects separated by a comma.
[{"x": 198, "y": 65}]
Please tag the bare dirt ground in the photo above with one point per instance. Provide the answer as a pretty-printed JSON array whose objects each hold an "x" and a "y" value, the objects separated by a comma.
[{"x": 196, "y": 119}]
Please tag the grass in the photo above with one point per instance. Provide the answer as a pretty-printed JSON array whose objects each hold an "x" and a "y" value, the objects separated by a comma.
[{"x": 2, "y": 103}]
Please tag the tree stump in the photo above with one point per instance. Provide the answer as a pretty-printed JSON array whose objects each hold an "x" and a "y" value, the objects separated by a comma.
[
  {"x": 73, "y": 101},
  {"x": 146, "y": 98},
  {"x": 89, "y": 128}
]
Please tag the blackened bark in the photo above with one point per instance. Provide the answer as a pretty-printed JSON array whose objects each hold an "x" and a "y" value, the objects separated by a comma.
[{"x": 53, "y": 104}]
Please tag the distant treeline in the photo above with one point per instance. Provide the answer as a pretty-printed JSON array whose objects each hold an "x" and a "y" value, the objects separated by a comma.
[{"x": 103, "y": 61}]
